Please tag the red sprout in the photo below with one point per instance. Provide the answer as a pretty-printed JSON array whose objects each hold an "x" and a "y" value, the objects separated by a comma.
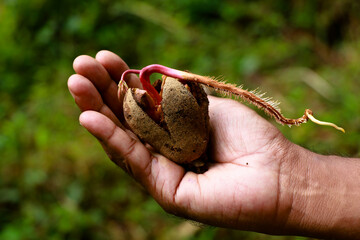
[
  {"x": 145, "y": 73},
  {"x": 251, "y": 96}
]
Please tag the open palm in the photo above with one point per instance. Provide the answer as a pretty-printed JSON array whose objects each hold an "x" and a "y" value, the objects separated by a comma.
[{"x": 241, "y": 187}]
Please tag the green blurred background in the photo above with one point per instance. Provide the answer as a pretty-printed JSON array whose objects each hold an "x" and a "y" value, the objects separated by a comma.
[{"x": 55, "y": 180}]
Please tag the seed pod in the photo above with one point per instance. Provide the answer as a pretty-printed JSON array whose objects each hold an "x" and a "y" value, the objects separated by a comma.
[{"x": 182, "y": 133}]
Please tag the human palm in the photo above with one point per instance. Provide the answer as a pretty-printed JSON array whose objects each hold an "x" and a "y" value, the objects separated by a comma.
[{"x": 239, "y": 190}]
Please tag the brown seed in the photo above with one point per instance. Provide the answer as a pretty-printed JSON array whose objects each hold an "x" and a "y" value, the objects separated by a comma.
[{"x": 184, "y": 134}]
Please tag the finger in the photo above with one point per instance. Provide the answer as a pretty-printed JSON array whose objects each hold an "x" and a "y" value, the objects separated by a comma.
[
  {"x": 116, "y": 141},
  {"x": 88, "y": 98},
  {"x": 157, "y": 174},
  {"x": 97, "y": 74},
  {"x": 116, "y": 66}
]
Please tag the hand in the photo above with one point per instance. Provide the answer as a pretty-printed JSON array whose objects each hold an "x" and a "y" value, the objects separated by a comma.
[
  {"x": 240, "y": 189},
  {"x": 257, "y": 181}
]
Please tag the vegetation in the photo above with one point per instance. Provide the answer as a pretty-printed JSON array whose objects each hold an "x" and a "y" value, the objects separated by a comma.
[{"x": 55, "y": 180}]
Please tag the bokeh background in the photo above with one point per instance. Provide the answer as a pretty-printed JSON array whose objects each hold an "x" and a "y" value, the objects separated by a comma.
[{"x": 55, "y": 180}]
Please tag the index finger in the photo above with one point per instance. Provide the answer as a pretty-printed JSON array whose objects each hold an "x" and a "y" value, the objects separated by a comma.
[{"x": 91, "y": 69}]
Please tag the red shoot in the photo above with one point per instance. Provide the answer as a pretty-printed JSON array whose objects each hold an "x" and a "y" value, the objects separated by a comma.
[{"x": 145, "y": 73}]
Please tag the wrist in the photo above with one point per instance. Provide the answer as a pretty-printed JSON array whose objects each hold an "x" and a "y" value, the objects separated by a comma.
[{"x": 321, "y": 194}]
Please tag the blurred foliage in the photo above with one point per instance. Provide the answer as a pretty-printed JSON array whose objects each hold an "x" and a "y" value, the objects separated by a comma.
[{"x": 55, "y": 181}]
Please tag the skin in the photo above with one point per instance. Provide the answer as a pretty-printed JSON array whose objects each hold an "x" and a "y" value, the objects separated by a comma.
[{"x": 259, "y": 181}]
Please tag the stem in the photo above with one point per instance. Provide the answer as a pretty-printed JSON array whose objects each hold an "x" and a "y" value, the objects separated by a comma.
[
  {"x": 129, "y": 71},
  {"x": 156, "y": 68},
  {"x": 250, "y": 96},
  {"x": 145, "y": 73}
]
